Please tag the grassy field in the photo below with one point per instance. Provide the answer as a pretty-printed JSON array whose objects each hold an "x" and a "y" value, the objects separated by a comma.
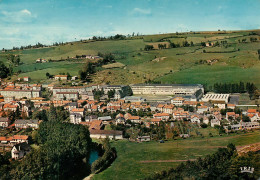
[
  {"x": 134, "y": 65},
  {"x": 129, "y": 165}
]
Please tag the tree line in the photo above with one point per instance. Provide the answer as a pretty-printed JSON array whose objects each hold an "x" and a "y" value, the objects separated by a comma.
[
  {"x": 224, "y": 164},
  {"x": 240, "y": 87}
]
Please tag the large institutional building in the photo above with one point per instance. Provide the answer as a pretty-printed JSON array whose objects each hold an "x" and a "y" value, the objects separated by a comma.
[
  {"x": 215, "y": 97},
  {"x": 19, "y": 92},
  {"x": 167, "y": 89}
]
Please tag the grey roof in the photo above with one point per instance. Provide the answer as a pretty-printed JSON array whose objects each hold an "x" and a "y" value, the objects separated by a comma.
[
  {"x": 72, "y": 104},
  {"x": 105, "y": 118},
  {"x": 22, "y": 121},
  {"x": 76, "y": 114},
  {"x": 91, "y": 117},
  {"x": 23, "y": 146},
  {"x": 170, "y": 85}
]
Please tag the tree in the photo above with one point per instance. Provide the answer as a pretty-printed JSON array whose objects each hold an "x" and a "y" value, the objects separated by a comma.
[
  {"x": 63, "y": 146},
  {"x": 52, "y": 115},
  {"x": 148, "y": 47},
  {"x": 47, "y": 75},
  {"x": 4, "y": 71}
]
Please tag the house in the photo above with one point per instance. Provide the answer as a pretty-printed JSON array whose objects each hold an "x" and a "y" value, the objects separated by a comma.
[
  {"x": 105, "y": 119},
  {"x": 88, "y": 95},
  {"x": 76, "y": 118},
  {"x": 178, "y": 101},
  {"x": 230, "y": 115},
  {"x": 96, "y": 124},
  {"x": 184, "y": 135},
  {"x": 231, "y": 106},
  {"x": 91, "y": 118},
  {"x": 61, "y": 77},
  {"x": 20, "y": 150},
  {"x": 67, "y": 96},
  {"x": 195, "y": 119},
  {"x": 120, "y": 119},
  {"x": 242, "y": 126},
  {"x": 135, "y": 119},
  {"x": 118, "y": 95},
  {"x": 215, "y": 122},
  {"x": 4, "y": 122},
  {"x": 101, "y": 134},
  {"x": 155, "y": 121},
  {"x": 72, "y": 105},
  {"x": 143, "y": 139},
  {"x": 159, "y": 107},
  {"x": 26, "y": 79},
  {"x": 73, "y": 78},
  {"x": 180, "y": 114},
  {"x": 80, "y": 111},
  {"x": 251, "y": 111},
  {"x": 23, "y": 124},
  {"x": 163, "y": 116},
  {"x": 219, "y": 104},
  {"x": 202, "y": 109},
  {"x": 19, "y": 139},
  {"x": 168, "y": 108}
]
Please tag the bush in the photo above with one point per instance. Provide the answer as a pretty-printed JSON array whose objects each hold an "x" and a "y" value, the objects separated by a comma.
[{"x": 203, "y": 125}]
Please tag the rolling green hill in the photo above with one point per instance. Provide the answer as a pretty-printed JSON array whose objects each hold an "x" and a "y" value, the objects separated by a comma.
[{"x": 230, "y": 62}]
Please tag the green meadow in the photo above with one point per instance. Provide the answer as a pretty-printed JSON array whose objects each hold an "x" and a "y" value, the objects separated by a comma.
[
  {"x": 232, "y": 62},
  {"x": 129, "y": 165}
]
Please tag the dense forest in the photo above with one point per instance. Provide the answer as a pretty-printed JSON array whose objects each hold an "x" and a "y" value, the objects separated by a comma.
[
  {"x": 62, "y": 152},
  {"x": 224, "y": 164}
]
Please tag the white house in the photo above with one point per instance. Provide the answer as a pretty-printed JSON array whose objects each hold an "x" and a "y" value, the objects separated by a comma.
[
  {"x": 178, "y": 101},
  {"x": 75, "y": 118},
  {"x": 23, "y": 124},
  {"x": 20, "y": 150},
  {"x": 101, "y": 134},
  {"x": 61, "y": 77},
  {"x": 4, "y": 122}
]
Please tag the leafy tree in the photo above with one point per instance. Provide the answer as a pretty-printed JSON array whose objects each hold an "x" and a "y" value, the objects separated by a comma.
[
  {"x": 4, "y": 71},
  {"x": 63, "y": 146},
  {"x": 52, "y": 115}
]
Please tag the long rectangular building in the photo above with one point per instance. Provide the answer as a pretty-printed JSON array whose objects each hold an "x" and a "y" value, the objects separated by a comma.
[
  {"x": 167, "y": 89},
  {"x": 17, "y": 93},
  {"x": 215, "y": 97}
]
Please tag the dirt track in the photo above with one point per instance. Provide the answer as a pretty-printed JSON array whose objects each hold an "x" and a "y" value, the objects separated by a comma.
[{"x": 170, "y": 160}]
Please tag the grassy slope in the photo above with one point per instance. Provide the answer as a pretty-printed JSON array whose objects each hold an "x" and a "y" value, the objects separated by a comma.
[
  {"x": 177, "y": 66},
  {"x": 128, "y": 165}
]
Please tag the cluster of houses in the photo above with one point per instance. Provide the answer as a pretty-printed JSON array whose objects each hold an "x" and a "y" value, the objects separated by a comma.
[
  {"x": 19, "y": 143},
  {"x": 87, "y": 57},
  {"x": 188, "y": 103}
]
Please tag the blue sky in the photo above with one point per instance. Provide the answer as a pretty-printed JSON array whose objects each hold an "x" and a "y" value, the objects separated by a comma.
[{"x": 24, "y": 22}]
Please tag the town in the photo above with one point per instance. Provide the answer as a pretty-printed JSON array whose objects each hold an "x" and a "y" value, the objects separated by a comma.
[{"x": 137, "y": 112}]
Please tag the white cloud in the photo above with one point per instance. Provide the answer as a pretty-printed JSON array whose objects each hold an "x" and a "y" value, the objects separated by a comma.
[
  {"x": 141, "y": 11},
  {"x": 17, "y": 17},
  {"x": 26, "y": 11}
]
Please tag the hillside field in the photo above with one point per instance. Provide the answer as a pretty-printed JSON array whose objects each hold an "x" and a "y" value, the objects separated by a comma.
[
  {"x": 138, "y": 160},
  {"x": 231, "y": 62}
]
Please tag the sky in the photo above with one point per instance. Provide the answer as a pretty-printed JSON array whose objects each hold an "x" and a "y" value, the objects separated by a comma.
[{"x": 24, "y": 22}]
